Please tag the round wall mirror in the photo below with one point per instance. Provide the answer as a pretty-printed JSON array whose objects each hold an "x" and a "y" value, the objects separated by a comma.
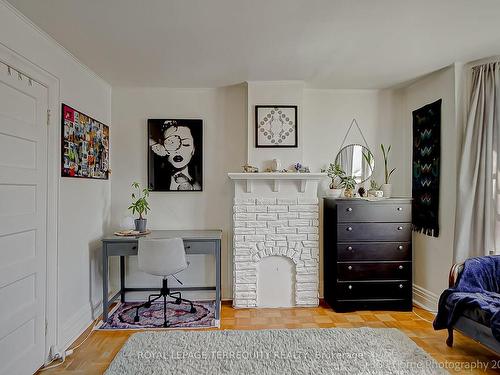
[{"x": 356, "y": 161}]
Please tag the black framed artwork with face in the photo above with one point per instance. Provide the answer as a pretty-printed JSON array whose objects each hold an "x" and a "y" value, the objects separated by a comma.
[
  {"x": 175, "y": 155},
  {"x": 276, "y": 126}
]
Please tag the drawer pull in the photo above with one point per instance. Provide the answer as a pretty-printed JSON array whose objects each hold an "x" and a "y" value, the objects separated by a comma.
[
  {"x": 400, "y": 208},
  {"x": 400, "y": 228},
  {"x": 349, "y": 229},
  {"x": 350, "y": 287},
  {"x": 400, "y": 286},
  {"x": 400, "y": 267},
  {"x": 187, "y": 247},
  {"x": 349, "y": 248},
  {"x": 349, "y": 209},
  {"x": 400, "y": 247},
  {"x": 349, "y": 268},
  {"x": 134, "y": 247}
]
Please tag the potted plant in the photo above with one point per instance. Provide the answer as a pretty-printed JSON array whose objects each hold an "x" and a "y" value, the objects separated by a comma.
[
  {"x": 140, "y": 205},
  {"x": 375, "y": 190},
  {"x": 387, "y": 186},
  {"x": 349, "y": 184},
  {"x": 335, "y": 173}
]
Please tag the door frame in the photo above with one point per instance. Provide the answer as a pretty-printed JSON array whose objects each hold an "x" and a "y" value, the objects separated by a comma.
[{"x": 46, "y": 79}]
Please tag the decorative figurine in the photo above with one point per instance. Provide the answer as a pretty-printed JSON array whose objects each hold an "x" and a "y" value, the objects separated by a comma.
[{"x": 250, "y": 169}]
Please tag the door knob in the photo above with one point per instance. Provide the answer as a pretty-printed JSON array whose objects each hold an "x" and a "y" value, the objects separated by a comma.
[{"x": 349, "y": 229}]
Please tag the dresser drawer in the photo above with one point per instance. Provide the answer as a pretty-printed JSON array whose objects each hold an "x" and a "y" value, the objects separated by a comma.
[
  {"x": 122, "y": 248},
  {"x": 373, "y": 290},
  {"x": 370, "y": 212},
  {"x": 374, "y": 271},
  {"x": 373, "y": 251},
  {"x": 373, "y": 232}
]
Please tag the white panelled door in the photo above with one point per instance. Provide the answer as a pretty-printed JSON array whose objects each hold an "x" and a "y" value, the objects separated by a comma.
[{"x": 23, "y": 201}]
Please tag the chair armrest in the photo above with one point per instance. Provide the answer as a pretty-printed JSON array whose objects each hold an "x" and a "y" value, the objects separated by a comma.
[{"x": 455, "y": 272}]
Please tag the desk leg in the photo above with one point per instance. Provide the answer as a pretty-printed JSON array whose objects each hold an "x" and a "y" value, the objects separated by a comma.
[
  {"x": 217, "y": 281},
  {"x": 122, "y": 278},
  {"x": 104, "y": 282}
]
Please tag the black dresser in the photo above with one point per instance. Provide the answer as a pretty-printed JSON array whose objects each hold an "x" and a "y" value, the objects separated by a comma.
[{"x": 367, "y": 254}]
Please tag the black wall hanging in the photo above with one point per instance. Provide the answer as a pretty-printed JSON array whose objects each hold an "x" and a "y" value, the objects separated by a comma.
[{"x": 426, "y": 165}]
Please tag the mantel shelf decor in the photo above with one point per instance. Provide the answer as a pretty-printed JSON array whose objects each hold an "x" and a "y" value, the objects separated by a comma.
[{"x": 276, "y": 177}]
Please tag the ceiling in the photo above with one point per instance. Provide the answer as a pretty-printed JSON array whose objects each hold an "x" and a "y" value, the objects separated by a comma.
[{"x": 212, "y": 43}]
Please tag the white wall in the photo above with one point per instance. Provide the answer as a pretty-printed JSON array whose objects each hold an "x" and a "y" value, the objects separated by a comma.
[
  {"x": 433, "y": 256},
  {"x": 224, "y": 136},
  {"x": 83, "y": 204}
]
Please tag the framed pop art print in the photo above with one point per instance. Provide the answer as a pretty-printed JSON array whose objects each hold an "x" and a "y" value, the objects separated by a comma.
[
  {"x": 84, "y": 146},
  {"x": 276, "y": 126},
  {"x": 175, "y": 155}
]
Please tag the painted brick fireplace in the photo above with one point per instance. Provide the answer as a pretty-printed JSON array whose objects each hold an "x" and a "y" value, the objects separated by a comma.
[{"x": 275, "y": 217}]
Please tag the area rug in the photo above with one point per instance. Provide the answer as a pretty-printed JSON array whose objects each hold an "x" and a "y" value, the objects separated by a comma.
[
  {"x": 301, "y": 351},
  {"x": 177, "y": 315}
]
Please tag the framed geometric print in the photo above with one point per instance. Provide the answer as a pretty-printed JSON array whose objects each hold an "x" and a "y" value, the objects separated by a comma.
[
  {"x": 276, "y": 126},
  {"x": 84, "y": 146}
]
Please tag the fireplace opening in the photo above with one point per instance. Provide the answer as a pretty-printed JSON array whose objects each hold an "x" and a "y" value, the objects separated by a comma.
[{"x": 275, "y": 282}]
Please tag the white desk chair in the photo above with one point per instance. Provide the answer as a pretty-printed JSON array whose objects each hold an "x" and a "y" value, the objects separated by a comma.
[{"x": 162, "y": 257}]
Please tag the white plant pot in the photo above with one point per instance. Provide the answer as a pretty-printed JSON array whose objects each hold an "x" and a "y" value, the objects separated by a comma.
[
  {"x": 387, "y": 189},
  {"x": 334, "y": 193}
]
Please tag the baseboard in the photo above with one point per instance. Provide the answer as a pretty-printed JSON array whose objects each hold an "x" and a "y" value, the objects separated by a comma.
[
  {"x": 79, "y": 323},
  {"x": 425, "y": 299}
]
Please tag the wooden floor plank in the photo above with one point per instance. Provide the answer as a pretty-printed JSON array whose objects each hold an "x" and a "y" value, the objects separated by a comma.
[{"x": 95, "y": 355}]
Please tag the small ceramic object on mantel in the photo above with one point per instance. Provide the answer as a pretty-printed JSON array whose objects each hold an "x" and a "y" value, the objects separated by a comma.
[
  {"x": 276, "y": 165},
  {"x": 250, "y": 169}
]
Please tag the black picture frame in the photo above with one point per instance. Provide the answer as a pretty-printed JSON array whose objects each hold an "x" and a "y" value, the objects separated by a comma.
[
  {"x": 161, "y": 170},
  {"x": 83, "y": 144},
  {"x": 258, "y": 126}
]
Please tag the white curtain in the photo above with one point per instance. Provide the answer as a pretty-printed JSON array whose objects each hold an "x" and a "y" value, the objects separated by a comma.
[{"x": 477, "y": 226}]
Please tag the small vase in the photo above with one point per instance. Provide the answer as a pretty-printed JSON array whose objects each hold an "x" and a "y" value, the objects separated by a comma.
[
  {"x": 387, "y": 189},
  {"x": 140, "y": 225},
  {"x": 334, "y": 193},
  {"x": 348, "y": 193}
]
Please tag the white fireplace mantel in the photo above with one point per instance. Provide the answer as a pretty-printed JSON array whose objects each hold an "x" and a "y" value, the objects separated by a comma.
[{"x": 276, "y": 177}]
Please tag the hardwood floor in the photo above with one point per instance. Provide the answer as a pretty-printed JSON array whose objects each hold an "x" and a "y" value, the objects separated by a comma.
[{"x": 95, "y": 355}]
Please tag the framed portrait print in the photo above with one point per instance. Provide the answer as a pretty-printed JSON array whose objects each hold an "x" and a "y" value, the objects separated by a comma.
[
  {"x": 276, "y": 126},
  {"x": 175, "y": 155},
  {"x": 84, "y": 146}
]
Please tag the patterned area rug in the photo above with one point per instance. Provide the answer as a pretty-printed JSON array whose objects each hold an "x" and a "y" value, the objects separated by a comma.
[
  {"x": 177, "y": 315},
  {"x": 295, "y": 351}
]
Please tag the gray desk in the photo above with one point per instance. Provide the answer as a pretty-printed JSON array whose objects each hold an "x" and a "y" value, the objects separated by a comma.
[{"x": 195, "y": 242}]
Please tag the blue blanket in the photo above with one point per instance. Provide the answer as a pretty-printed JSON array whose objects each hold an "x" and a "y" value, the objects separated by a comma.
[{"x": 478, "y": 287}]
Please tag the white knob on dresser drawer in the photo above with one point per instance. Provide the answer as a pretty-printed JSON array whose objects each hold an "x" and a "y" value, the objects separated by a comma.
[
  {"x": 400, "y": 267},
  {"x": 350, "y": 287},
  {"x": 400, "y": 208},
  {"x": 349, "y": 268},
  {"x": 400, "y": 247},
  {"x": 349, "y": 248},
  {"x": 400, "y": 286},
  {"x": 400, "y": 228},
  {"x": 349, "y": 209},
  {"x": 349, "y": 229}
]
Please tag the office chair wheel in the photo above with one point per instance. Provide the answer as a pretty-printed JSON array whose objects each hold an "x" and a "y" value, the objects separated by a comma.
[
  {"x": 147, "y": 305},
  {"x": 136, "y": 318},
  {"x": 193, "y": 310},
  {"x": 178, "y": 301}
]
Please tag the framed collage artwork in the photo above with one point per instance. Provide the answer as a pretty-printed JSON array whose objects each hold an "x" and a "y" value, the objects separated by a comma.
[
  {"x": 276, "y": 126},
  {"x": 84, "y": 146}
]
